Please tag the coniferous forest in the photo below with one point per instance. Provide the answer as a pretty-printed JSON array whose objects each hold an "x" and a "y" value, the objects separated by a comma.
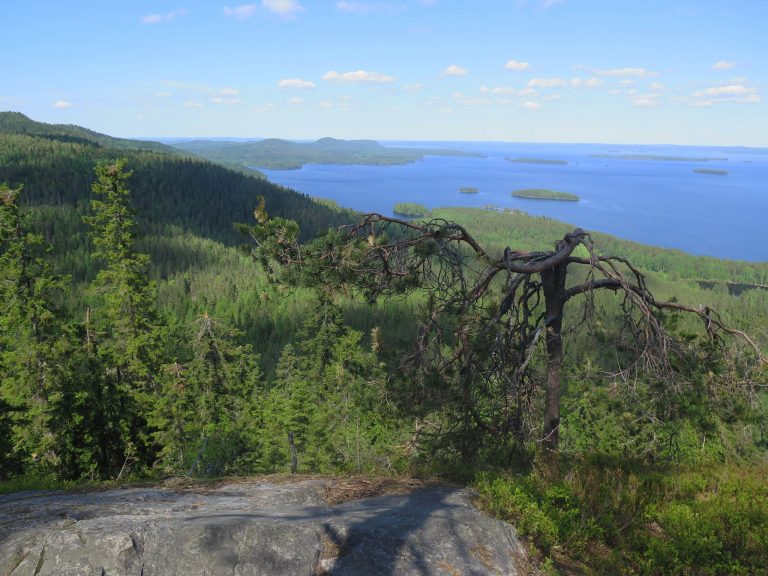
[{"x": 163, "y": 315}]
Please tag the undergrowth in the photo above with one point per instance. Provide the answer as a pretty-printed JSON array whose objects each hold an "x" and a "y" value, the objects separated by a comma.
[{"x": 602, "y": 518}]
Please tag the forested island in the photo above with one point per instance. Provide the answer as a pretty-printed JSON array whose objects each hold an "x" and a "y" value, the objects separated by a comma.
[
  {"x": 468, "y": 190},
  {"x": 711, "y": 171},
  {"x": 545, "y": 194},
  {"x": 413, "y": 209},
  {"x": 606, "y": 397},
  {"x": 277, "y": 154},
  {"x": 537, "y": 161}
]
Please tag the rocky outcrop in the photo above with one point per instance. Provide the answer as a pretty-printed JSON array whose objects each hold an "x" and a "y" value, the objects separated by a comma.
[{"x": 300, "y": 527}]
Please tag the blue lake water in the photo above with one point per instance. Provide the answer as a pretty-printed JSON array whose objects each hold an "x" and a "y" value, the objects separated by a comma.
[{"x": 658, "y": 202}]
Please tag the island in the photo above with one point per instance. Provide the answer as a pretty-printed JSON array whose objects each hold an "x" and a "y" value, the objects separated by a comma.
[
  {"x": 711, "y": 171},
  {"x": 468, "y": 190},
  {"x": 411, "y": 209},
  {"x": 278, "y": 154},
  {"x": 537, "y": 161},
  {"x": 545, "y": 194}
]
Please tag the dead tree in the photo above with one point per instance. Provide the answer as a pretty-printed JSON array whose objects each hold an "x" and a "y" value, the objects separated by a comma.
[{"x": 485, "y": 316}]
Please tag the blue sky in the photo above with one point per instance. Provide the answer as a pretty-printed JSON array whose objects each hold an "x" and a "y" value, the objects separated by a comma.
[{"x": 613, "y": 71}]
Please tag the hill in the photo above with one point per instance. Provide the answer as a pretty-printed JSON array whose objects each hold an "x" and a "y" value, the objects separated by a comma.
[
  {"x": 55, "y": 165},
  {"x": 18, "y": 123},
  {"x": 277, "y": 154}
]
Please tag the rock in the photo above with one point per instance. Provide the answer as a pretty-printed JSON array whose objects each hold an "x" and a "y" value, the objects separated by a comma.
[{"x": 255, "y": 527}]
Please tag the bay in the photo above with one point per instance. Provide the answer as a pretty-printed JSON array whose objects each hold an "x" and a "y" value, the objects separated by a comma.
[{"x": 653, "y": 201}]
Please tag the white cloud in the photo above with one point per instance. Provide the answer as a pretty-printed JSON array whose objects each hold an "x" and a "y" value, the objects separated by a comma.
[
  {"x": 413, "y": 87},
  {"x": 627, "y": 82},
  {"x": 454, "y": 70},
  {"x": 532, "y": 106},
  {"x": 163, "y": 94},
  {"x": 157, "y": 18},
  {"x": 550, "y": 3},
  {"x": 229, "y": 101},
  {"x": 357, "y": 76},
  {"x": 729, "y": 90},
  {"x": 527, "y": 92},
  {"x": 240, "y": 12},
  {"x": 193, "y": 104},
  {"x": 461, "y": 99},
  {"x": 546, "y": 82},
  {"x": 593, "y": 82},
  {"x": 625, "y": 72},
  {"x": 576, "y": 81},
  {"x": 505, "y": 90},
  {"x": 62, "y": 104},
  {"x": 284, "y": 8},
  {"x": 295, "y": 83},
  {"x": 723, "y": 65},
  {"x": 516, "y": 65},
  {"x": 357, "y": 7},
  {"x": 230, "y": 91},
  {"x": 390, "y": 110},
  {"x": 646, "y": 100},
  {"x": 738, "y": 93},
  {"x": 296, "y": 101},
  {"x": 657, "y": 86}
]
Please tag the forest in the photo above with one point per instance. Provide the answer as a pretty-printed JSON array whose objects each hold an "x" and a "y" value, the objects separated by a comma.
[{"x": 165, "y": 315}]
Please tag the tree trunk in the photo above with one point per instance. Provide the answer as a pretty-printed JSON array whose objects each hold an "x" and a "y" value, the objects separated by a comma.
[
  {"x": 553, "y": 284},
  {"x": 294, "y": 460}
]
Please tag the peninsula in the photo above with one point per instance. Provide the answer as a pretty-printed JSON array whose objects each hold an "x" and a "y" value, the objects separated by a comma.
[{"x": 278, "y": 154}]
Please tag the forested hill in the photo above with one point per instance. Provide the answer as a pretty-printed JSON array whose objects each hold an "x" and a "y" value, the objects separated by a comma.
[
  {"x": 278, "y": 154},
  {"x": 18, "y": 123},
  {"x": 55, "y": 164}
]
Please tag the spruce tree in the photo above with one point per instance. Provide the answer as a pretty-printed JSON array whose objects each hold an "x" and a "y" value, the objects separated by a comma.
[
  {"x": 36, "y": 394},
  {"x": 126, "y": 335},
  {"x": 209, "y": 414}
]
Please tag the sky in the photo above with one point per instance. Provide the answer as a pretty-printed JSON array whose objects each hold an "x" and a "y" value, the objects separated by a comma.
[{"x": 691, "y": 72}]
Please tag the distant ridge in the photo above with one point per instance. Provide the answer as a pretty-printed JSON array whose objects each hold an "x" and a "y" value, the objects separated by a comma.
[{"x": 279, "y": 154}]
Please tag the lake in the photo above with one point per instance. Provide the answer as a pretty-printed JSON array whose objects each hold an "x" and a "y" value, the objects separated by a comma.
[{"x": 658, "y": 202}]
